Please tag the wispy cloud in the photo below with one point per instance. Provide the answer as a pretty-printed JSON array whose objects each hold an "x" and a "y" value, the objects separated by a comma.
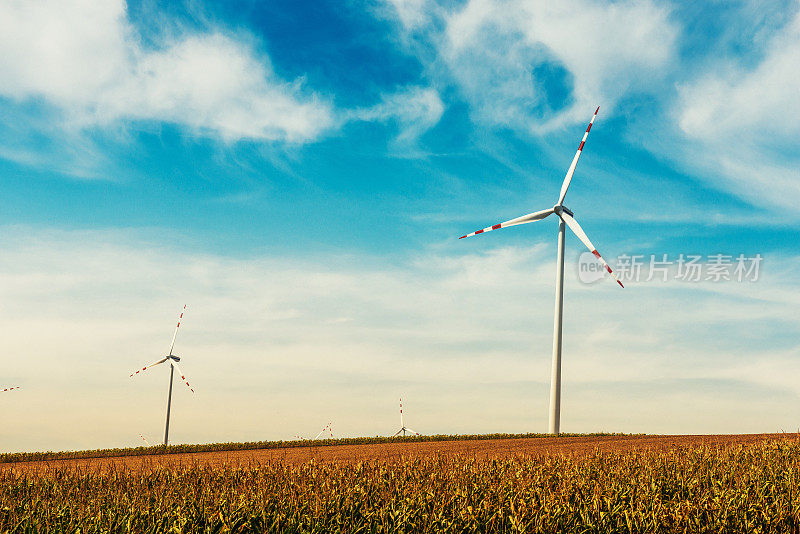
[
  {"x": 415, "y": 110},
  {"x": 738, "y": 117},
  {"x": 412, "y": 14},
  {"x": 505, "y": 56}
]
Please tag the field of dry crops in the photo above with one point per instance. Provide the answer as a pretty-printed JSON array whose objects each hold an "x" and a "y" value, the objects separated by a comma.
[
  {"x": 401, "y": 450},
  {"x": 596, "y": 484}
]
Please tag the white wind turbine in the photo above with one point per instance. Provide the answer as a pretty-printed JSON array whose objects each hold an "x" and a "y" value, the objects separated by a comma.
[
  {"x": 403, "y": 427},
  {"x": 173, "y": 362},
  {"x": 565, "y": 216},
  {"x": 328, "y": 427}
]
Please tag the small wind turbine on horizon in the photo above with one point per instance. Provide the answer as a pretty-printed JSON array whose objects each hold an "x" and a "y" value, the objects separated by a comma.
[
  {"x": 566, "y": 217},
  {"x": 328, "y": 427},
  {"x": 173, "y": 363},
  {"x": 403, "y": 427}
]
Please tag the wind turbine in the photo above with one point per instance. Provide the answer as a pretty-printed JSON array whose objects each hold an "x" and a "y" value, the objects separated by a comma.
[
  {"x": 566, "y": 217},
  {"x": 173, "y": 364},
  {"x": 328, "y": 427},
  {"x": 403, "y": 427}
]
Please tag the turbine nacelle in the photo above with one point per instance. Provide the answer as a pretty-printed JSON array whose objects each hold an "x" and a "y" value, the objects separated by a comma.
[
  {"x": 173, "y": 357},
  {"x": 558, "y": 209}
]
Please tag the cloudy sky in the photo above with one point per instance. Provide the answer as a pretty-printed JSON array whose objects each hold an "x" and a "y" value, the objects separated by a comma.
[{"x": 298, "y": 174}]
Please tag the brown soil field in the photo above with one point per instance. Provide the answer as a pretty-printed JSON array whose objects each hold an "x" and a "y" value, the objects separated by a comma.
[{"x": 394, "y": 452}]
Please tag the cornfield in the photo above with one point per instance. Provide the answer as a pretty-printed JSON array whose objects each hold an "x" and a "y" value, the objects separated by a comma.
[{"x": 731, "y": 489}]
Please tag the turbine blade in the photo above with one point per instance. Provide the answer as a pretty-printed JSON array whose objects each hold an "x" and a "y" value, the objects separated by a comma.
[
  {"x": 146, "y": 367},
  {"x": 571, "y": 171},
  {"x": 11, "y": 388},
  {"x": 578, "y": 231},
  {"x": 183, "y": 377},
  {"x": 536, "y": 216},
  {"x": 401, "y": 414},
  {"x": 397, "y": 433},
  {"x": 324, "y": 428},
  {"x": 172, "y": 346},
  {"x": 412, "y": 431}
]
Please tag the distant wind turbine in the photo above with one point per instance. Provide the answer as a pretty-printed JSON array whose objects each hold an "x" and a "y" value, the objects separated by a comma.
[
  {"x": 403, "y": 427},
  {"x": 565, "y": 216},
  {"x": 328, "y": 428},
  {"x": 173, "y": 362}
]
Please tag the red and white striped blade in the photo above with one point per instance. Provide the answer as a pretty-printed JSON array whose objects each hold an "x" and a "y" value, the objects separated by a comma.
[
  {"x": 328, "y": 428},
  {"x": 11, "y": 388},
  {"x": 183, "y": 377},
  {"x": 146, "y": 367},
  {"x": 536, "y": 216},
  {"x": 571, "y": 170},
  {"x": 172, "y": 346},
  {"x": 412, "y": 431},
  {"x": 578, "y": 231}
]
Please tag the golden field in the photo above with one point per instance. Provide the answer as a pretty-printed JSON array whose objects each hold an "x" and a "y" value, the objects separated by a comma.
[{"x": 565, "y": 484}]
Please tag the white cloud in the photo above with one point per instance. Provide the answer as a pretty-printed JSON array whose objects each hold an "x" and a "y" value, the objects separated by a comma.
[
  {"x": 607, "y": 49},
  {"x": 411, "y": 13},
  {"x": 739, "y": 121},
  {"x": 64, "y": 51},
  {"x": 493, "y": 49},
  {"x": 276, "y": 346},
  {"x": 734, "y": 99},
  {"x": 86, "y": 59},
  {"x": 415, "y": 110}
]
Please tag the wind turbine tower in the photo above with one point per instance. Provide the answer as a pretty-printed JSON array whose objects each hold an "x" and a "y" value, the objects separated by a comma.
[{"x": 403, "y": 427}]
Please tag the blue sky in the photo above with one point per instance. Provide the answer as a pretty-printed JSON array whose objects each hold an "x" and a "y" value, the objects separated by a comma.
[{"x": 299, "y": 173}]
